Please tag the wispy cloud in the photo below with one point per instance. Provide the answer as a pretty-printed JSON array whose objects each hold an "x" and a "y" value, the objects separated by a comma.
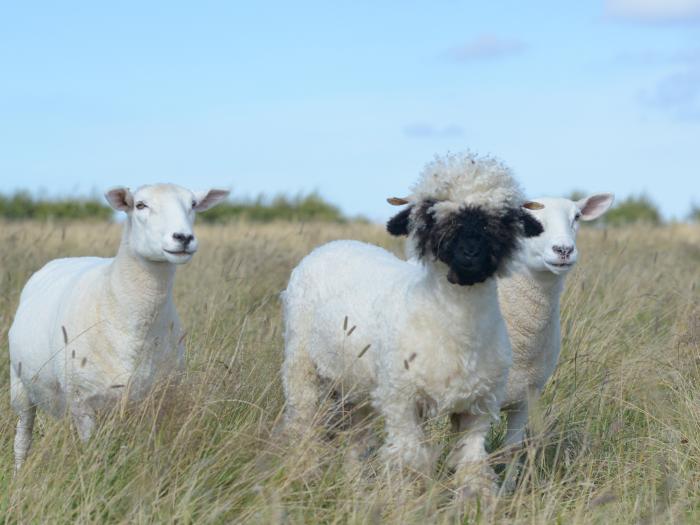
[
  {"x": 485, "y": 47},
  {"x": 654, "y": 11},
  {"x": 649, "y": 57},
  {"x": 677, "y": 90},
  {"x": 423, "y": 130},
  {"x": 678, "y": 93}
]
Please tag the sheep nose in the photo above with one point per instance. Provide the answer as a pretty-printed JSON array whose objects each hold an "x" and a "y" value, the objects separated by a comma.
[
  {"x": 184, "y": 238},
  {"x": 563, "y": 251}
]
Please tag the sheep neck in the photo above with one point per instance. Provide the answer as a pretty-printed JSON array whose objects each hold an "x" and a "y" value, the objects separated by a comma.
[
  {"x": 530, "y": 304},
  {"x": 139, "y": 287},
  {"x": 468, "y": 304}
]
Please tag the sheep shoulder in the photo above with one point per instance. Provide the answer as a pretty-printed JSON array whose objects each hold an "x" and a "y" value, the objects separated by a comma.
[
  {"x": 45, "y": 299},
  {"x": 69, "y": 331},
  {"x": 337, "y": 302}
]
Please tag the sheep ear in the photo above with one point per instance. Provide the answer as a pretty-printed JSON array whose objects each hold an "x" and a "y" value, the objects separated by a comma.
[
  {"x": 208, "y": 199},
  {"x": 531, "y": 226},
  {"x": 595, "y": 205},
  {"x": 533, "y": 205},
  {"x": 120, "y": 199},
  {"x": 398, "y": 224},
  {"x": 397, "y": 201}
]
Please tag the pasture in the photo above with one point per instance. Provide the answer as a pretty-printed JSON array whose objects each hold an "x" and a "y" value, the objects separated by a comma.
[{"x": 616, "y": 438}]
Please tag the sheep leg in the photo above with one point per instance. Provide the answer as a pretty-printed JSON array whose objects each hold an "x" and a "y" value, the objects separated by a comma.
[
  {"x": 23, "y": 435},
  {"x": 84, "y": 420},
  {"x": 362, "y": 436},
  {"x": 517, "y": 421},
  {"x": 469, "y": 458},
  {"x": 405, "y": 444},
  {"x": 363, "y": 433},
  {"x": 517, "y": 417},
  {"x": 25, "y": 424},
  {"x": 302, "y": 389}
]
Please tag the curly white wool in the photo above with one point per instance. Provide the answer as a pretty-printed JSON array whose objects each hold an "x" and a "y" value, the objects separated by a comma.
[
  {"x": 419, "y": 346},
  {"x": 466, "y": 178}
]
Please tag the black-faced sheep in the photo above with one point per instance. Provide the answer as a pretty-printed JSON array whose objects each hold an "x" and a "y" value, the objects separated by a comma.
[{"x": 421, "y": 338}]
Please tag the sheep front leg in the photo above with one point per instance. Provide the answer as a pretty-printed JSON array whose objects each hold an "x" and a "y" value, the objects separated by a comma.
[
  {"x": 23, "y": 435},
  {"x": 405, "y": 445},
  {"x": 84, "y": 420},
  {"x": 473, "y": 475},
  {"x": 517, "y": 421},
  {"x": 514, "y": 440},
  {"x": 302, "y": 389},
  {"x": 27, "y": 412},
  {"x": 362, "y": 437}
]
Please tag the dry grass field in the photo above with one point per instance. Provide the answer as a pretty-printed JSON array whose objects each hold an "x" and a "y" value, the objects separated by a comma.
[{"x": 616, "y": 438}]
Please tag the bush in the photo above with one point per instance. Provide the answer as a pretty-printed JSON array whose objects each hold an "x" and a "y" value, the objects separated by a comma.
[
  {"x": 577, "y": 195},
  {"x": 22, "y": 205},
  {"x": 694, "y": 215},
  {"x": 299, "y": 208},
  {"x": 634, "y": 209}
]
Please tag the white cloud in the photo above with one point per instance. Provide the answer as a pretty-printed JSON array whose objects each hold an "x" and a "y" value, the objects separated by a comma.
[
  {"x": 485, "y": 47},
  {"x": 654, "y": 10}
]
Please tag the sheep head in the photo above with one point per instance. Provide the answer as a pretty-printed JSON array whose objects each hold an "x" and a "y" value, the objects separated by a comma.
[
  {"x": 160, "y": 219},
  {"x": 465, "y": 213},
  {"x": 554, "y": 251}
]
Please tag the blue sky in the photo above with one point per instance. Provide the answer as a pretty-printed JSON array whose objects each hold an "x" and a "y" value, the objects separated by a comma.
[{"x": 350, "y": 98}]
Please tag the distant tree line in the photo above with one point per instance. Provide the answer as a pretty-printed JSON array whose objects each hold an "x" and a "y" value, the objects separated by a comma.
[
  {"x": 22, "y": 206},
  {"x": 694, "y": 215},
  {"x": 299, "y": 208}
]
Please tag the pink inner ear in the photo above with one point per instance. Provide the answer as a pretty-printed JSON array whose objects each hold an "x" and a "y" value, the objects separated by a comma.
[
  {"x": 212, "y": 198},
  {"x": 120, "y": 199},
  {"x": 596, "y": 205}
]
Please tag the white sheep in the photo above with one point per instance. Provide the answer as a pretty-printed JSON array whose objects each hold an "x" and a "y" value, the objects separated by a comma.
[
  {"x": 529, "y": 299},
  {"x": 90, "y": 331},
  {"x": 419, "y": 340}
]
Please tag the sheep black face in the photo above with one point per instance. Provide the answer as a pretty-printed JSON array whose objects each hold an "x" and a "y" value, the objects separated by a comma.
[{"x": 474, "y": 243}]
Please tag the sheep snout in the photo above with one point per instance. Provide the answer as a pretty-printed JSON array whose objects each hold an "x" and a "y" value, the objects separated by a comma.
[{"x": 183, "y": 238}]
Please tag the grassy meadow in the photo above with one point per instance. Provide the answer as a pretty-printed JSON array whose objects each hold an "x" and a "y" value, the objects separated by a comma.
[{"x": 616, "y": 438}]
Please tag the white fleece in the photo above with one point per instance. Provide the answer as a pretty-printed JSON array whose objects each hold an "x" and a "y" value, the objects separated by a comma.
[
  {"x": 398, "y": 333},
  {"x": 89, "y": 331},
  {"x": 530, "y": 297}
]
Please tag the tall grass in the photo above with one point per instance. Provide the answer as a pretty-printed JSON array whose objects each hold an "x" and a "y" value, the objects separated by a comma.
[{"x": 616, "y": 438}]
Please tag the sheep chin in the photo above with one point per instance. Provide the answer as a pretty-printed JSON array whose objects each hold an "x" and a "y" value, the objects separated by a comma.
[{"x": 452, "y": 277}]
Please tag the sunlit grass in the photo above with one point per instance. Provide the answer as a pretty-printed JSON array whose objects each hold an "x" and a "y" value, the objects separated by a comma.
[{"x": 616, "y": 438}]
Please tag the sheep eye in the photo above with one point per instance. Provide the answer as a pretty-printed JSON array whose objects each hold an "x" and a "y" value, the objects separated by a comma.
[
  {"x": 577, "y": 216},
  {"x": 141, "y": 205},
  {"x": 194, "y": 203}
]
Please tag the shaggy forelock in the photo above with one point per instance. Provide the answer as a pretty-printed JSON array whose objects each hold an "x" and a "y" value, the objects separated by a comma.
[{"x": 459, "y": 179}]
